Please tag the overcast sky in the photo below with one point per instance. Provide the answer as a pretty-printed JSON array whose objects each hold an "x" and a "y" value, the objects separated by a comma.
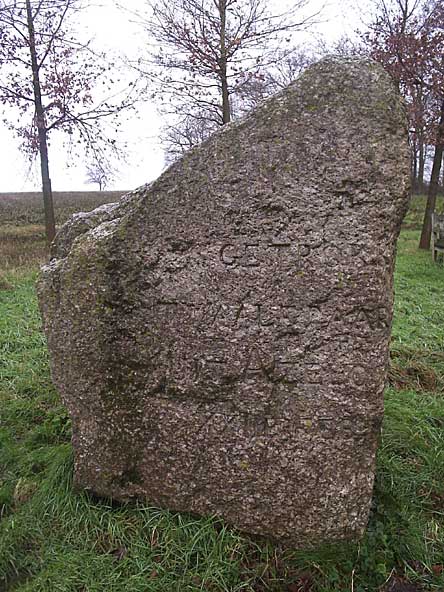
[{"x": 114, "y": 32}]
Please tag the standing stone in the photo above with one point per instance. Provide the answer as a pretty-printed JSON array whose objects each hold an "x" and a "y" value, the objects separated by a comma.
[{"x": 220, "y": 337}]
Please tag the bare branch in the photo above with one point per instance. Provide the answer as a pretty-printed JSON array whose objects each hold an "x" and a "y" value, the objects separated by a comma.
[{"x": 205, "y": 51}]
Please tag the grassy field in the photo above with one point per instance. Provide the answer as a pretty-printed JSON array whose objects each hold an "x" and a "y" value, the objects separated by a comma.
[
  {"x": 22, "y": 231},
  {"x": 27, "y": 208},
  {"x": 52, "y": 540}
]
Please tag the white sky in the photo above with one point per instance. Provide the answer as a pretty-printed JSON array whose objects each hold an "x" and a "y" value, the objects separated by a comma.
[{"x": 114, "y": 32}]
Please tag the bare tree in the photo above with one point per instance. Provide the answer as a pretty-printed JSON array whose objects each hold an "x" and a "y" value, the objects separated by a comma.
[
  {"x": 407, "y": 37},
  {"x": 254, "y": 87},
  {"x": 251, "y": 88},
  {"x": 99, "y": 173},
  {"x": 205, "y": 50},
  {"x": 47, "y": 76},
  {"x": 186, "y": 133}
]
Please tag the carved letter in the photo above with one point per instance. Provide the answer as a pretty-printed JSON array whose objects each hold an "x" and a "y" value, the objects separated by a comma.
[
  {"x": 227, "y": 258},
  {"x": 250, "y": 262}
]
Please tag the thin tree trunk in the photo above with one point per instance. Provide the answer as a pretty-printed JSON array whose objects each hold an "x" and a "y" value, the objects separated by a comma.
[
  {"x": 424, "y": 242},
  {"x": 415, "y": 165},
  {"x": 442, "y": 175},
  {"x": 421, "y": 164},
  {"x": 226, "y": 110},
  {"x": 42, "y": 132}
]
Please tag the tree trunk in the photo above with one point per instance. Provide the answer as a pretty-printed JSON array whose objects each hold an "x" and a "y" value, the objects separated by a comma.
[
  {"x": 226, "y": 110},
  {"x": 442, "y": 175},
  {"x": 415, "y": 165},
  {"x": 421, "y": 164},
  {"x": 424, "y": 242},
  {"x": 42, "y": 132}
]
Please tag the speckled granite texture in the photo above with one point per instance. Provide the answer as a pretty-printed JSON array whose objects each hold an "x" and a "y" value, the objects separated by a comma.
[{"x": 220, "y": 337}]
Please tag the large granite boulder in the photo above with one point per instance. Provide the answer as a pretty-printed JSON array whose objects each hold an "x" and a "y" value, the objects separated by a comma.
[{"x": 220, "y": 337}]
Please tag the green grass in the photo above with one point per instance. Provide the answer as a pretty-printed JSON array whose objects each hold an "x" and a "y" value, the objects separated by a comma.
[{"x": 55, "y": 540}]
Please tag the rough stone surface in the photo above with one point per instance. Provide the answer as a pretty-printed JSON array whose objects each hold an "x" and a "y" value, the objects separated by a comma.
[{"x": 220, "y": 337}]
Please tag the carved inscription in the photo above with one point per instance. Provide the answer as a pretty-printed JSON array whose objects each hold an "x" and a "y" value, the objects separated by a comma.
[
  {"x": 276, "y": 316},
  {"x": 221, "y": 422},
  {"x": 371, "y": 317},
  {"x": 254, "y": 363},
  {"x": 281, "y": 335},
  {"x": 254, "y": 253}
]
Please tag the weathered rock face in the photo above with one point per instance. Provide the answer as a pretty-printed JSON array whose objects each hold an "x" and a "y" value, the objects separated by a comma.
[{"x": 220, "y": 337}]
